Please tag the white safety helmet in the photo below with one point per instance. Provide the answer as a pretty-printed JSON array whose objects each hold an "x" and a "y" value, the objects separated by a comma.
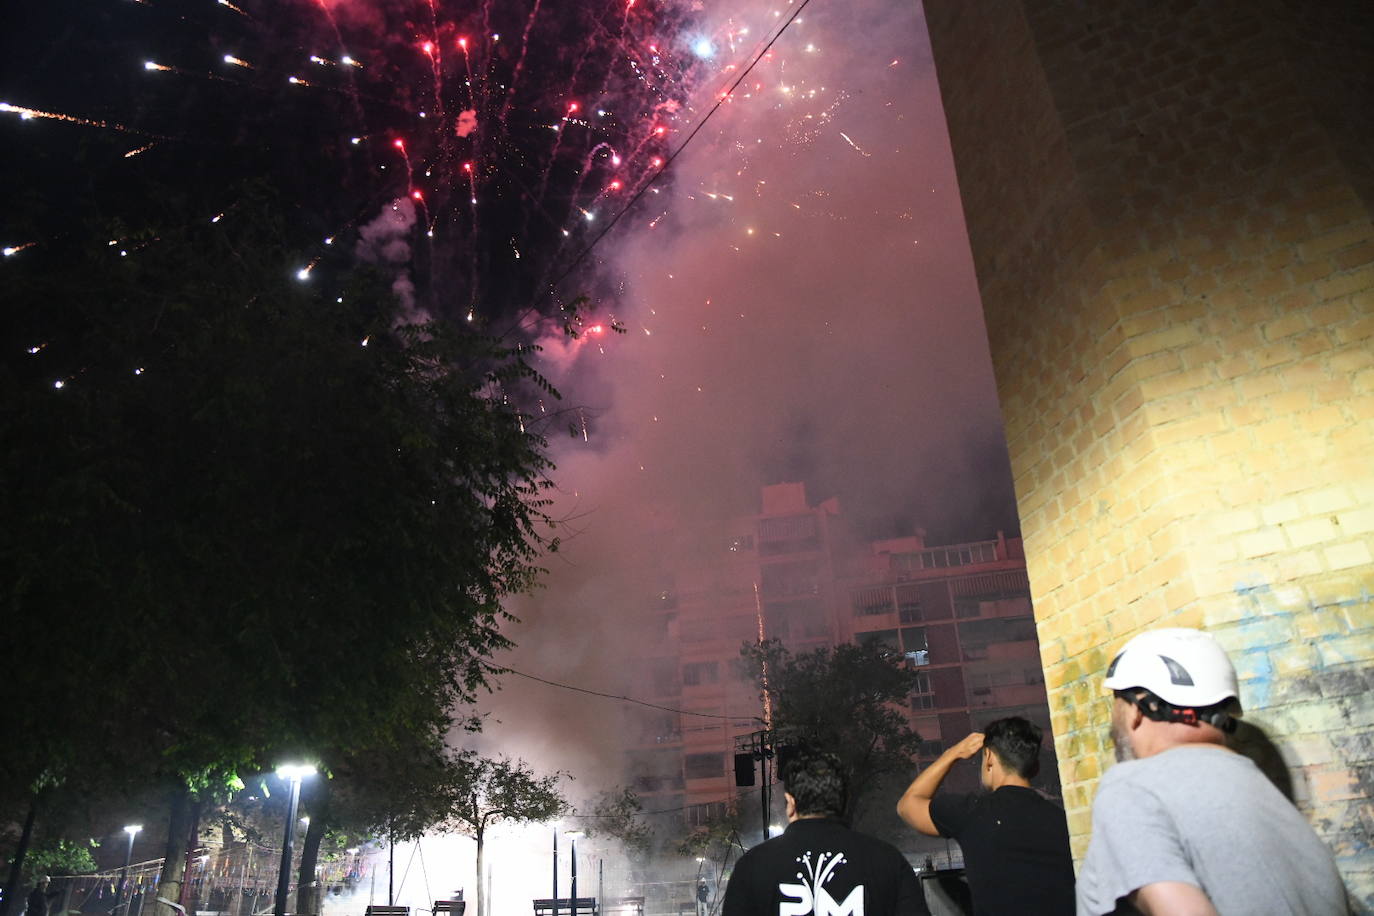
[{"x": 1183, "y": 667}]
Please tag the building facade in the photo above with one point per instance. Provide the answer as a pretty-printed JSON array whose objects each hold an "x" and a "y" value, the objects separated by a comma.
[
  {"x": 961, "y": 613},
  {"x": 1171, "y": 214}
]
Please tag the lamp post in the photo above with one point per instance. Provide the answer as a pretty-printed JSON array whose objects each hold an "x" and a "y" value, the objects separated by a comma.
[
  {"x": 293, "y": 774},
  {"x": 572, "y": 855},
  {"x": 132, "y": 830}
]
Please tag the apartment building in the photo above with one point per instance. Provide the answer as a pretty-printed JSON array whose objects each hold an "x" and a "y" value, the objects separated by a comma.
[{"x": 961, "y": 613}]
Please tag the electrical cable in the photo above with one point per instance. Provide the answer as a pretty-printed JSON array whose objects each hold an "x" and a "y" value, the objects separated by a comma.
[
  {"x": 616, "y": 696},
  {"x": 720, "y": 100},
  {"x": 716, "y": 801}
]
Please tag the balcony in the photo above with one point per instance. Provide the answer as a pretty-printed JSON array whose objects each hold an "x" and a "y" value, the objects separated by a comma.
[
  {"x": 950, "y": 557},
  {"x": 901, "y": 599},
  {"x": 1007, "y": 695}
]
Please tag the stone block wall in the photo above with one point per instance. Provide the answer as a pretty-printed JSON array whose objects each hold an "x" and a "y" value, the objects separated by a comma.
[{"x": 1171, "y": 222}]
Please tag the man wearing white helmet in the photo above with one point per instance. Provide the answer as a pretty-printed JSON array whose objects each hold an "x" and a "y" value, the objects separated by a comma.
[{"x": 1182, "y": 824}]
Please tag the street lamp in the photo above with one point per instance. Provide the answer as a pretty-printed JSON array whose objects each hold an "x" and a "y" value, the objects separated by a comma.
[
  {"x": 293, "y": 774},
  {"x": 132, "y": 830},
  {"x": 572, "y": 854}
]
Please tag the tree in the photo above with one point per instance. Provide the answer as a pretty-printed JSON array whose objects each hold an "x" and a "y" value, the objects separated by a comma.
[
  {"x": 61, "y": 857},
  {"x": 399, "y": 790},
  {"x": 848, "y": 700},
  {"x": 273, "y": 521},
  {"x": 482, "y": 792},
  {"x": 714, "y": 845},
  {"x": 615, "y": 815}
]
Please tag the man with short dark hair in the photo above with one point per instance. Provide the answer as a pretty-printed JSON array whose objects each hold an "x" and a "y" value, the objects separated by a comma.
[
  {"x": 818, "y": 865},
  {"x": 1183, "y": 824},
  {"x": 1015, "y": 841}
]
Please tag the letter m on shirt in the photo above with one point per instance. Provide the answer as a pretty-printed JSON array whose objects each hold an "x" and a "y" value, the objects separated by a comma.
[{"x": 801, "y": 902}]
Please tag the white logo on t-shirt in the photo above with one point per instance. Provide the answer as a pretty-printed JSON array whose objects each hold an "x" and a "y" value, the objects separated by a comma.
[{"x": 809, "y": 898}]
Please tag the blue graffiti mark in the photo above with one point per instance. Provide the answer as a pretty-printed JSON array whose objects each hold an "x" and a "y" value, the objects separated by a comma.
[
  {"x": 1268, "y": 624},
  {"x": 1256, "y": 671},
  {"x": 1252, "y": 593},
  {"x": 1365, "y": 597}
]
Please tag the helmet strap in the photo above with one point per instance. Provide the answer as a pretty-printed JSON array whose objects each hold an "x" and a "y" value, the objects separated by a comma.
[{"x": 1152, "y": 707}]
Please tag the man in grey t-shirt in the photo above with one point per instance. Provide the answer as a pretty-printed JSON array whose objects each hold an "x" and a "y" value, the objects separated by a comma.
[{"x": 1182, "y": 824}]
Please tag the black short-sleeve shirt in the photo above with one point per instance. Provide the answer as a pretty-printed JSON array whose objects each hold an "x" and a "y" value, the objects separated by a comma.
[
  {"x": 817, "y": 858},
  {"x": 1016, "y": 850}
]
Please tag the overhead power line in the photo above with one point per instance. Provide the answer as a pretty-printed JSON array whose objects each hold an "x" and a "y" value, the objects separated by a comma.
[
  {"x": 727, "y": 94},
  {"x": 625, "y": 699},
  {"x": 718, "y": 801}
]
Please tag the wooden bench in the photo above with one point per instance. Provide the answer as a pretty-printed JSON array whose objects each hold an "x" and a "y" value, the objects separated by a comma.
[
  {"x": 564, "y": 906},
  {"x": 388, "y": 911},
  {"x": 456, "y": 907}
]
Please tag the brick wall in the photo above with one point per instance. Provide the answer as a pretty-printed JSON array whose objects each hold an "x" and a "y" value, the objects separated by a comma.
[{"x": 1170, "y": 215}]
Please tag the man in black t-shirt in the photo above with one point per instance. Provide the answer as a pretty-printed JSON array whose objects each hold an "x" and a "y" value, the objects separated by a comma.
[
  {"x": 37, "y": 904},
  {"x": 1015, "y": 842},
  {"x": 818, "y": 865}
]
